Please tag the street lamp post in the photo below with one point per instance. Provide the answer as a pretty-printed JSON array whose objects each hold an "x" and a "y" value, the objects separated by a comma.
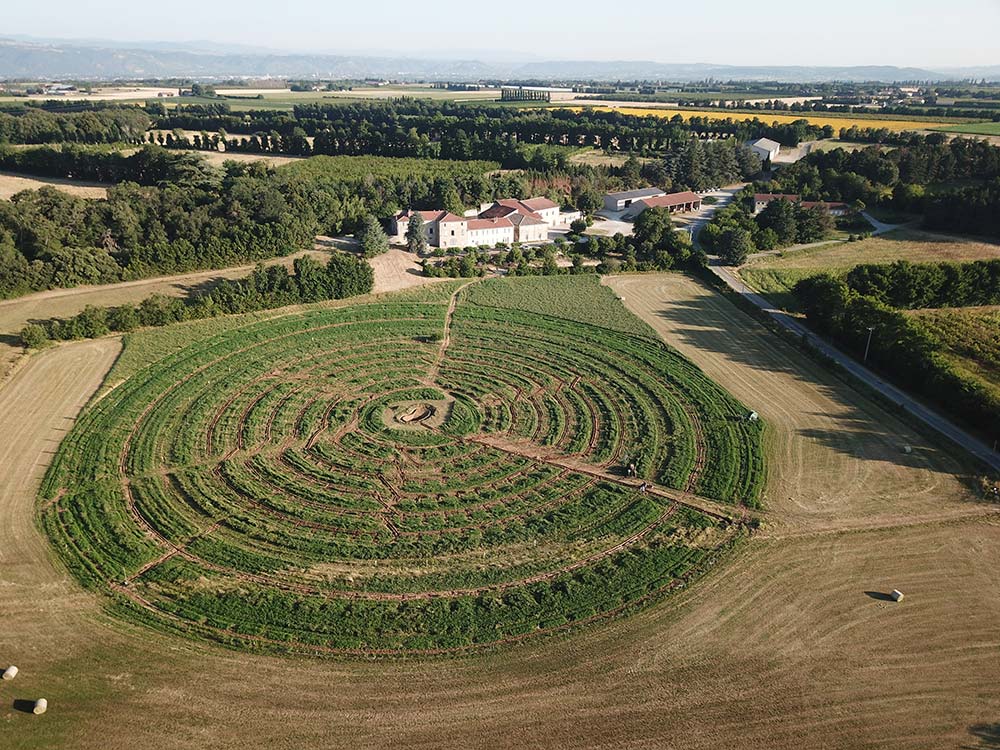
[{"x": 868, "y": 345}]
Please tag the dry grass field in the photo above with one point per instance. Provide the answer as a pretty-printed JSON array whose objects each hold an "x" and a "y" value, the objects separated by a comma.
[
  {"x": 787, "y": 645},
  {"x": 394, "y": 270},
  {"x": 775, "y": 275},
  {"x": 15, "y": 183},
  {"x": 220, "y": 157},
  {"x": 59, "y": 303}
]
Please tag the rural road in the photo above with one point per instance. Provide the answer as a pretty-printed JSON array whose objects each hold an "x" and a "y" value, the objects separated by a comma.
[{"x": 930, "y": 417}]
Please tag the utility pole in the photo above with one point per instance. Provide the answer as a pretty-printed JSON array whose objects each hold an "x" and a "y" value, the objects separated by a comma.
[{"x": 868, "y": 345}]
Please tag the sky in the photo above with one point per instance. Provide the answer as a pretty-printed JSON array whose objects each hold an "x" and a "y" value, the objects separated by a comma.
[{"x": 921, "y": 33}]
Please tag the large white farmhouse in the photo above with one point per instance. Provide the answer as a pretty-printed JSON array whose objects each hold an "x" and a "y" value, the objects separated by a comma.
[{"x": 507, "y": 220}]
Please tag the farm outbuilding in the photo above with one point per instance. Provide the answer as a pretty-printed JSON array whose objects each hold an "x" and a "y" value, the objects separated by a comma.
[
  {"x": 765, "y": 148},
  {"x": 621, "y": 201},
  {"x": 674, "y": 202}
]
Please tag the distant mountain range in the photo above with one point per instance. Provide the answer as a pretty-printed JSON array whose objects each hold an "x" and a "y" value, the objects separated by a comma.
[{"x": 26, "y": 58}]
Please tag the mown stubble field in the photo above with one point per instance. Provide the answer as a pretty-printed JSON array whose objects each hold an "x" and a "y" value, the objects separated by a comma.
[{"x": 781, "y": 647}]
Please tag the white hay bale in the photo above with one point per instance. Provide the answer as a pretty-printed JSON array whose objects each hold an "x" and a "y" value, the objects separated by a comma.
[
  {"x": 41, "y": 706},
  {"x": 897, "y": 595},
  {"x": 10, "y": 672},
  {"x": 907, "y": 449}
]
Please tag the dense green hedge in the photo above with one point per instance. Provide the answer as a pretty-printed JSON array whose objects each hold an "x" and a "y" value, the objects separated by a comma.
[
  {"x": 266, "y": 288},
  {"x": 900, "y": 347},
  {"x": 915, "y": 285}
]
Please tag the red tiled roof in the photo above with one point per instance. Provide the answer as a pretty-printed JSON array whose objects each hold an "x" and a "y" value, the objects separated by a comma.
[
  {"x": 522, "y": 220},
  {"x": 489, "y": 223},
  {"x": 445, "y": 217},
  {"x": 673, "y": 199},
  {"x": 539, "y": 204},
  {"x": 497, "y": 210},
  {"x": 765, "y": 197},
  {"x": 824, "y": 204},
  {"x": 507, "y": 206}
]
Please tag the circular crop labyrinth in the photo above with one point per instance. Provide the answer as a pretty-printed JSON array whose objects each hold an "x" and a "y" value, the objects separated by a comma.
[{"x": 353, "y": 481}]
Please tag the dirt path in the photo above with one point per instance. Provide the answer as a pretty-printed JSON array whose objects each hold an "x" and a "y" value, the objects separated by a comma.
[
  {"x": 528, "y": 449},
  {"x": 432, "y": 373}
]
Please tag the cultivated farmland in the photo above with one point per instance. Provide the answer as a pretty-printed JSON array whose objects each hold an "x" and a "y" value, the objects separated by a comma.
[
  {"x": 776, "y": 275},
  {"x": 816, "y": 119},
  {"x": 395, "y": 478},
  {"x": 787, "y": 611}
]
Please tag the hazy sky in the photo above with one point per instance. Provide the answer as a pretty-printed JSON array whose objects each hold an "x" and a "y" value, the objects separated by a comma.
[{"x": 802, "y": 32}]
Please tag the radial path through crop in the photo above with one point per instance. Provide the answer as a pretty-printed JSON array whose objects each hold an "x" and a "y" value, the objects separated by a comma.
[{"x": 409, "y": 477}]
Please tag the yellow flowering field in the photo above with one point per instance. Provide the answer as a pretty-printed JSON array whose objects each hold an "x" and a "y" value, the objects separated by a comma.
[{"x": 834, "y": 121}]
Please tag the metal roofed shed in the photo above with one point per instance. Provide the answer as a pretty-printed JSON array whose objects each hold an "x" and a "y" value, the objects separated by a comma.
[
  {"x": 621, "y": 201},
  {"x": 765, "y": 148}
]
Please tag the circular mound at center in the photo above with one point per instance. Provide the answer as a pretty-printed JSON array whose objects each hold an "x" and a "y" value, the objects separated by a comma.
[{"x": 338, "y": 482}]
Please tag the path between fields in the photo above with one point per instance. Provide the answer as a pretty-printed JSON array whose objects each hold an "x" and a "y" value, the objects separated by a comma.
[{"x": 541, "y": 454}]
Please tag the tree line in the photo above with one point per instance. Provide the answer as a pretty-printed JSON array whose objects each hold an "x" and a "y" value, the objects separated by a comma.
[
  {"x": 734, "y": 233},
  {"x": 913, "y": 286},
  {"x": 33, "y": 125},
  {"x": 266, "y": 288},
  {"x": 211, "y": 218},
  {"x": 149, "y": 165},
  {"x": 424, "y": 128},
  {"x": 897, "y": 345}
]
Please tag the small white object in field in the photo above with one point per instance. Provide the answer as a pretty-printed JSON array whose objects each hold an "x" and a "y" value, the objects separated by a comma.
[
  {"x": 41, "y": 706},
  {"x": 10, "y": 672},
  {"x": 897, "y": 595},
  {"x": 907, "y": 449}
]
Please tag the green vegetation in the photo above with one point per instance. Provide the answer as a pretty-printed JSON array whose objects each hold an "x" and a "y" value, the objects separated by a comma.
[
  {"x": 899, "y": 346},
  {"x": 266, "y": 288},
  {"x": 969, "y": 339},
  {"x": 336, "y": 481},
  {"x": 354, "y": 168},
  {"x": 973, "y": 128},
  {"x": 583, "y": 299}
]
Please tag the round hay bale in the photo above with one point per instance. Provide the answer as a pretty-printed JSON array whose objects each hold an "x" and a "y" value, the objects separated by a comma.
[
  {"x": 10, "y": 672},
  {"x": 41, "y": 706}
]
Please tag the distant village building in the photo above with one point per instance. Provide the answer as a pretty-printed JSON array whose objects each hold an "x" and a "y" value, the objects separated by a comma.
[
  {"x": 674, "y": 202},
  {"x": 522, "y": 94},
  {"x": 760, "y": 201},
  {"x": 766, "y": 149},
  {"x": 621, "y": 201},
  {"x": 506, "y": 220}
]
